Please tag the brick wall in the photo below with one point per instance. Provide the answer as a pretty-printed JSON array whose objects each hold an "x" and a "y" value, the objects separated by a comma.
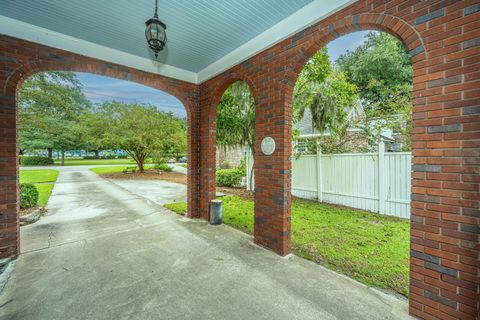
[
  {"x": 20, "y": 59},
  {"x": 443, "y": 38}
]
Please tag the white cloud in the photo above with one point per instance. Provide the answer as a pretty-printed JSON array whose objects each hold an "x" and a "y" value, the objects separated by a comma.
[{"x": 98, "y": 89}]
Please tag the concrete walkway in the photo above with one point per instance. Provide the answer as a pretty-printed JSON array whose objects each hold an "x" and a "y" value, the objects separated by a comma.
[{"x": 104, "y": 252}]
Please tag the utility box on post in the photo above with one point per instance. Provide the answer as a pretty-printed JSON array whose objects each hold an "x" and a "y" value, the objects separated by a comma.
[{"x": 216, "y": 212}]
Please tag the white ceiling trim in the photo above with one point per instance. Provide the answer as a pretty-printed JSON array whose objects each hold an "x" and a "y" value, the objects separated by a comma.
[
  {"x": 307, "y": 16},
  {"x": 29, "y": 32}
]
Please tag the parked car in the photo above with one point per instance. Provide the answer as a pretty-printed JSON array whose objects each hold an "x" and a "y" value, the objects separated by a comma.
[{"x": 182, "y": 159}]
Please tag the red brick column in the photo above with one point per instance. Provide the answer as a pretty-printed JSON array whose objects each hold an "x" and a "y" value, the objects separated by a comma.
[
  {"x": 207, "y": 151},
  {"x": 9, "y": 219},
  {"x": 273, "y": 172}
]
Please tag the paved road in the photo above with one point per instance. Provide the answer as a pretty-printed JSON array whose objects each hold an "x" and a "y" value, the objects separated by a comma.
[{"x": 104, "y": 252}]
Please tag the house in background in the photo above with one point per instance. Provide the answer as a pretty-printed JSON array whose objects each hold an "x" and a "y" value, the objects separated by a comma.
[
  {"x": 229, "y": 157},
  {"x": 355, "y": 141}
]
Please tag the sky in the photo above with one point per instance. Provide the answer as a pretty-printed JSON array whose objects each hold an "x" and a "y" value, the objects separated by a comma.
[{"x": 99, "y": 88}]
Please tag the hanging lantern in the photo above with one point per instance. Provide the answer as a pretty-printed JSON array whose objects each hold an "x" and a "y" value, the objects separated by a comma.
[{"x": 155, "y": 33}]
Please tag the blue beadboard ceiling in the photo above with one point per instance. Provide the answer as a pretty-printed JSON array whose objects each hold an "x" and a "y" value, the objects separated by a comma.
[{"x": 199, "y": 31}]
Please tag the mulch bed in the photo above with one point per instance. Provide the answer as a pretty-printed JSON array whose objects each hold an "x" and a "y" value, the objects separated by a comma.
[
  {"x": 153, "y": 174},
  {"x": 241, "y": 192},
  {"x": 24, "y": 212},
  {"x": 149, "y": 174}
]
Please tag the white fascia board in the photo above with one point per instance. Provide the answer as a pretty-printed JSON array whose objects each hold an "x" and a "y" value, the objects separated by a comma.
[
  {"x": 29, "y": 32},
  {"x": 303, "y": 18}
]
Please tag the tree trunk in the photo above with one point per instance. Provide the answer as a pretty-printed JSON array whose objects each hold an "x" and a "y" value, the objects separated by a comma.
[
  {"x": 58, "y": 154},
  {"x": 50, "y": 153},
  {"x": 63, "y": 157},
  {"x": 140, "y": 165},
  {"x": 96, "y": 153}
]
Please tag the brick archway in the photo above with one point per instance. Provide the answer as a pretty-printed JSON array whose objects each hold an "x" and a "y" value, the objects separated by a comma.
[
  {"x": 413, "y": 42},
  {"x": 361, "y": 22},
  {"x": 22, "y": 59},
  {"x": 210, "y": 99},
  {"x": 16, "y": 78}
]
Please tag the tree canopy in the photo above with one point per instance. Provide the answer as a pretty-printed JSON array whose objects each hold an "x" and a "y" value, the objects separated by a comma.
[
  {"x": 382, "y": 70},
  {"x": 380, "y": 67},
  {"x": 375, "y": 79},
  {"x": 325, "y": 92},
  {"x": 236, "y": 116},
  {"x": 50, "y": 103},
  {"x": 142, "y": 131}
]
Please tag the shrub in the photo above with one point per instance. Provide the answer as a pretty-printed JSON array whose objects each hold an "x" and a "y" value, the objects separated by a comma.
[
  {"x": 35, "y": 161},
  {"x": 229, "y": 177},
  {"x": 163, "y": 167},
  {"x": 28, "y": 195}
]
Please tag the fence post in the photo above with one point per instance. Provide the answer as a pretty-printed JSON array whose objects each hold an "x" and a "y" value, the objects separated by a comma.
[
  {"x": 381, "y": 177},
  {"x": 247, "y": 170},
  {"x": 319, "y": 173}
]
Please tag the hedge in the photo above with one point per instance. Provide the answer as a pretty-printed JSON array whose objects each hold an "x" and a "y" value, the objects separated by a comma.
[
  {"x": 28, "y": 195},
  {"x": 163, "y": 167},
  {"x": 35, "y": 161},
  {"x": 229, "y": 177}
]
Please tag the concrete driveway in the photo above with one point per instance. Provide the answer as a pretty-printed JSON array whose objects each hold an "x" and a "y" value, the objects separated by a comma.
[{"x": 104, "y": 252}]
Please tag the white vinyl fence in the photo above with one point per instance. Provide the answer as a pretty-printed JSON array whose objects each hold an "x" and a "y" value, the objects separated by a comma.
[{"x": 378, "y": 182}]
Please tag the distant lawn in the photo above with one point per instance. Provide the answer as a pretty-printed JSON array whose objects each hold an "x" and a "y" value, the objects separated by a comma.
[
  {"x": 35, "y": 176},
  {"x": 40, "y": 179},
  {"x": 368, "y": 247},
  {"x": 103, "y": 170},
  {"x": 94, "y": 162}
]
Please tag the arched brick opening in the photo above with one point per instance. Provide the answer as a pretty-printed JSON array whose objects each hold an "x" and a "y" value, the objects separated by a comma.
[
  {"x": 368, "y": 24},
  {"x": 434, "y": 273},
  {"x": 15, "y": 80},
  {"x": 370, "y": 21},
  {"x": 36, "y": 58},
  {"x": 210, "y": 99}
]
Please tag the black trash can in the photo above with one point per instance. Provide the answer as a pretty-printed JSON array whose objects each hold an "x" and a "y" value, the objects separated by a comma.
[{"x": 216, "y": 212}]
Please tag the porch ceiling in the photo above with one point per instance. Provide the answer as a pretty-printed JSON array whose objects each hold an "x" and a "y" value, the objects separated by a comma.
[{"x": 204, "y": 37}]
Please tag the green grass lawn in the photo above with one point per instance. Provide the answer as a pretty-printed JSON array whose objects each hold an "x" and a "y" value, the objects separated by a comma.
[
  {"x": 41, "y": 179},
  {"x": 368, "y": 247},
  {"x": 94, "y": 162},
  {"x": 103, "y": 170},
  {"x": 44, "y": 192},
  {"x": 35, "y": 176}
]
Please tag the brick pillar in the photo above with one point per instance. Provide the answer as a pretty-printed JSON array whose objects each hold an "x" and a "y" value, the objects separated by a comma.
[
  {"x": 273, "y": 172},
  {"x": 444, "y": 263},
  {"x": 193, "y": 177},
  {"x": 207, "y": 153},
  {"x": 9, "y": 226}
]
